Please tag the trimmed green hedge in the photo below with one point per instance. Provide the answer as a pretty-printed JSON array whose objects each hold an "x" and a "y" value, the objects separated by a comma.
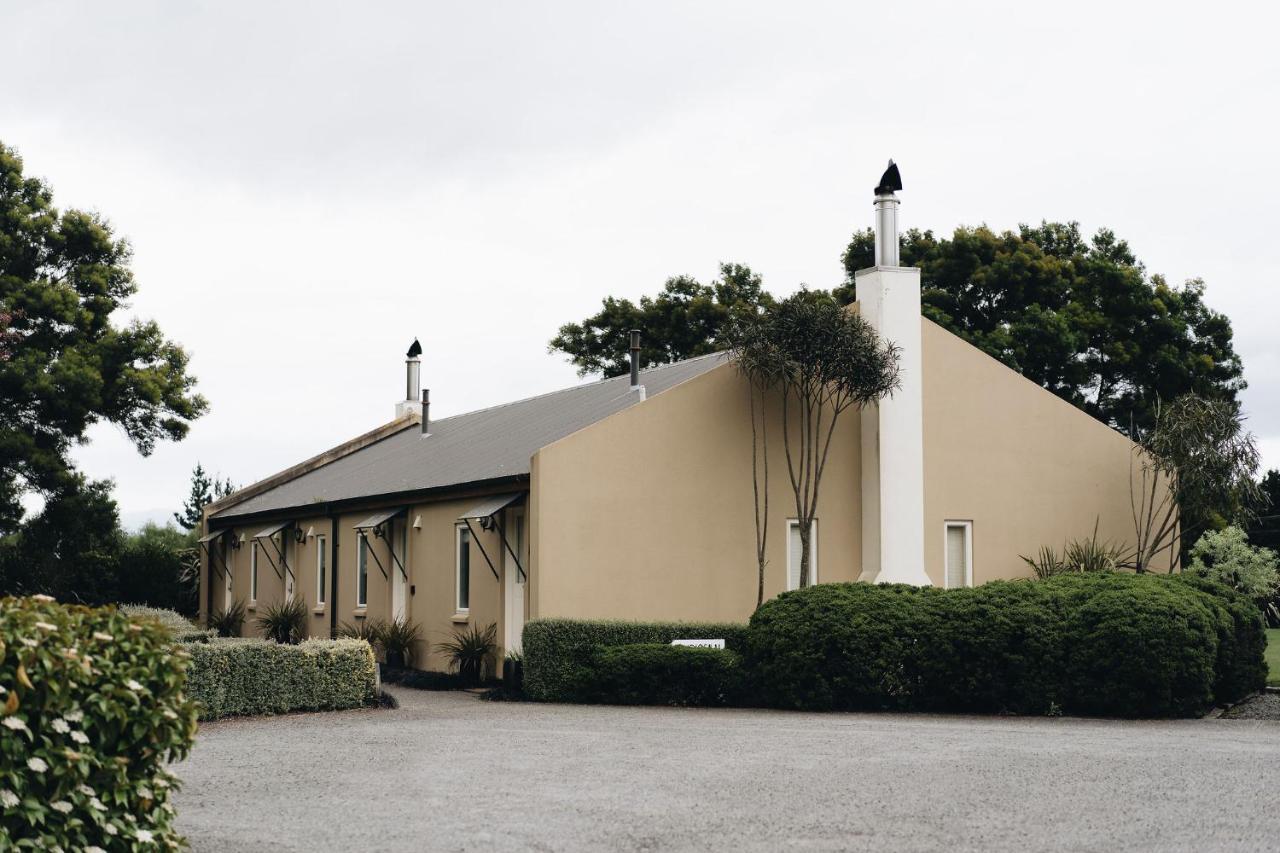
[
  {"x": 658, "y": 674},
  {"x": 247, "y": 676},
  {"x": 1100, "y": 643},
  {"x": 92, "y": 709},
  {"x": 559, "y": 654}
]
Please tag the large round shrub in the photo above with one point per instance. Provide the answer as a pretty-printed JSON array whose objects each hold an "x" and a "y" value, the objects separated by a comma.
[
  {"x": 836, "y": 646},
  {"x": 92, "y": 708},
  {"x": 996, "y": 648},
  {"x": 1136, "y": 645},
  {"x": 1242, "y": 638}
]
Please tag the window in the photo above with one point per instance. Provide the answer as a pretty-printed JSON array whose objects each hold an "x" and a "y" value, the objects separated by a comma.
[
  {"x": 253, "y": 570},
  {"x": 959, "y": 554},
  {"x": 321, "y": 564},
  {"x": 464, "y": 569},
  {"x": 362, "y": 572},
  {"x": 794, "y": 550}
]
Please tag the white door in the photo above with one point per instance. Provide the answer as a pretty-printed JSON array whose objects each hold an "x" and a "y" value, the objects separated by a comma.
[
  {"x": 399, "y": 539},
  {"x": 287, "y": 565},
  {"x": 514, "y": 582},
  {"x": 226, "y": 573}
]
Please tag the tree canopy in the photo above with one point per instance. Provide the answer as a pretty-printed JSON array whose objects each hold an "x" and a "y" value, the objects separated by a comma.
[
  {"x": 204, "y": 490},
  {"x": 822, "y": 360},
  {"x": 684, "y": 320},
  {"x": 63, "y": 364},
  {"x": 1082, "y": 318}
]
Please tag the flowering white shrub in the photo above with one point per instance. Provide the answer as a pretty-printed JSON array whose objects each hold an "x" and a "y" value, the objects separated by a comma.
[
  {"x": 92, "y": 707},
  {"x": 1227, "y": 556}
]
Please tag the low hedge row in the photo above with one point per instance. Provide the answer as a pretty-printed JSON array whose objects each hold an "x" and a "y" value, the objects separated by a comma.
[
  {"x": 92, "y": 709},
  {"x": 658, "y": 674},
  {"x": 559, "y": 654},
  {"x": 1108, "y": 644},
  {"x": 246, "y": 676}
]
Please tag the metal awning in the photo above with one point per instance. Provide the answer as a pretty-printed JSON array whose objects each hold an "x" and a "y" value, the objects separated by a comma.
[
  {"x": 484, "y": 513},
  {"x": 374, "y": 522},
  {"x": 489, "y": 506},
  {"x": 268, "y": 533},
  {"x": 380, "y": 518},
  {"x": 208, "y": 542},
  {"x": 272, "y": 530}
]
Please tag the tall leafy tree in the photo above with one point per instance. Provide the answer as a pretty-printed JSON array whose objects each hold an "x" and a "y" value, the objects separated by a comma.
[
  {"x": 684, "y": 320},
  {"x": 63, "y": 364},
  {"x": 1196, "y": 472},
  {"x": 70, "y": 549},
  {"x": 1083, "y": 318},
  {"x": 1264, "y": 531},
  {"x": 821, "y": 361},
  {"x": 204, "y": 490}
]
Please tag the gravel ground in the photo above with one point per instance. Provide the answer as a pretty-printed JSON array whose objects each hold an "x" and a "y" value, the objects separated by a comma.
[
  {"x": 1264, "y": 706},
  {"x": 446, "y": 771}
]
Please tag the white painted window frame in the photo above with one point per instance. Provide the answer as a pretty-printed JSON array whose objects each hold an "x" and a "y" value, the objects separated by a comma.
[
  {"x": 968, "y": 551},
  {"x": 459, "y": 529},
  {"x": 362, "y": 567},
  {"x": 794, "y": 523},
  {"x": 321, "y": 541},
  {"x": 253, "y": 572}
]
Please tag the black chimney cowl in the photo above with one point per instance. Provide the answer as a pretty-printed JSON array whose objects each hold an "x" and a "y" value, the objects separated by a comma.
[{"x": 890, "y": 181}]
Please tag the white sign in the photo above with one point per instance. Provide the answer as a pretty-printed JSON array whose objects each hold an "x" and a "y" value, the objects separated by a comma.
[{"x": 701, "y": 644}]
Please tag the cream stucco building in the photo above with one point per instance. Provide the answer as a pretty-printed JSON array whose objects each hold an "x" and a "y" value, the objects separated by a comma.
[{"x": 632, "y": 498}]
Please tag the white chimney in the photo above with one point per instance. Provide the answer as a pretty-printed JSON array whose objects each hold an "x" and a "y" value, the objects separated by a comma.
[
  {"x": 893, "y": 429},
  {"x": 411, "y": 404}
]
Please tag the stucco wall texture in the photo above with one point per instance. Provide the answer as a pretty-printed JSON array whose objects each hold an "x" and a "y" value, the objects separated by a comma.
[{"x": 648, "y": 513}]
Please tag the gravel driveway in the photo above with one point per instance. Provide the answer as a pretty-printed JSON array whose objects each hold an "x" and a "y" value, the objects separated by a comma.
[{"x": 446, "y": 771}]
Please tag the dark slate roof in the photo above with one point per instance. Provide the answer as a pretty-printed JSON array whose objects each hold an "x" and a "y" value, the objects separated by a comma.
[{"x": 483, "y": 445}]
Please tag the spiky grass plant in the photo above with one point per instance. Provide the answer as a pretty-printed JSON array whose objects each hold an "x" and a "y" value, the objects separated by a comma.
[
  {"x": 398, "y": 638},
  {"x": 369, "y": 630},
  {"x": 470, "y": 650},
  {"x": 229, "y": 622},
  {"x": 285, "y": 622}
]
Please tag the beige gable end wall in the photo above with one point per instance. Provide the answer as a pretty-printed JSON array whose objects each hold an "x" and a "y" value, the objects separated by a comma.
[
  {"x": 648, "y": 513},
  {"x": 1026, "y": 467}
]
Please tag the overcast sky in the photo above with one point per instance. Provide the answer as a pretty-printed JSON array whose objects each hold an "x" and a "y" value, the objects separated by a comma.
[{"x": 308, "y": 187}]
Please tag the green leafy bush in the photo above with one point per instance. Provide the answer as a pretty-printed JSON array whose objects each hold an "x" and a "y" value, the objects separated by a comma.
[
  {"x": 284, "y": 622},
  {"x": 180, "y": 628},
  {"x": 1136, "y": 645},
  {"x": 992, "y": 649},
  {"x": 1241, "y": 667},
  {"x": 92, "y": 709},
  {"x": 1103, "y": 643},
  {"x": 247, "y": 676},
  {"x": 560, "y": 653},
  {"x": 836, "y": 646},
  {"x": 658, "y": 674}
]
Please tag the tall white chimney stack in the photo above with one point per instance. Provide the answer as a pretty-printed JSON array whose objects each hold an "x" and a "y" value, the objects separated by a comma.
[
  {"x": 411, "y": 405},
  {"x": 893, "y": 429}
]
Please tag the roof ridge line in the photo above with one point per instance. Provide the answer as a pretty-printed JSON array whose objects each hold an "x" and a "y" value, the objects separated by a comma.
[{"x": 581, "y": 386}]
